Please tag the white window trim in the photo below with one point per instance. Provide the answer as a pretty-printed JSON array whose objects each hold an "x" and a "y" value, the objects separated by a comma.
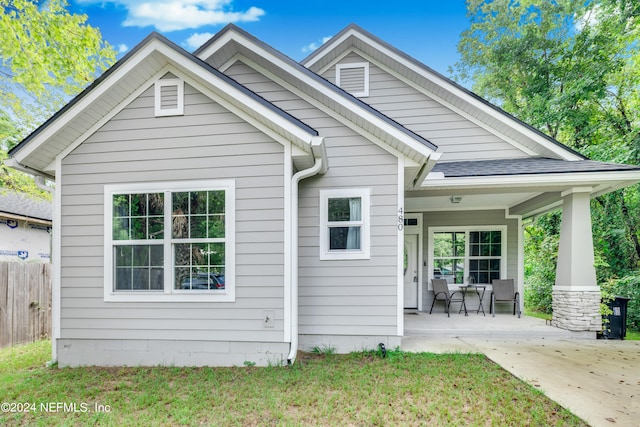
[
  {"x": 169, "y": 294},
  {"x": 179, "y": 110},
  {"x": 346, "y": 254},
  {"x": 466, "y": 229},
  {"x": 365, "y": 65}
]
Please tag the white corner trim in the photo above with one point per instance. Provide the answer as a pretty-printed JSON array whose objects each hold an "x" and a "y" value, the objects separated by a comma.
[
  {"x": 56, "y": 259},
  {"x": 400, "y": 250}
]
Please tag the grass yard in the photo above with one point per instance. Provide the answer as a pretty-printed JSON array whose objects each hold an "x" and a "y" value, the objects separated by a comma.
[{"x": 360, "y": 389}]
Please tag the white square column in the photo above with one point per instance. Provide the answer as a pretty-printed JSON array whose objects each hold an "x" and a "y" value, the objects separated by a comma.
[{"x": 576, "y": 294}]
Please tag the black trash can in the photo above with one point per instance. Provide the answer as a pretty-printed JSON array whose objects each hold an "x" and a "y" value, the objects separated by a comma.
[{"x": 616, "y": 328}]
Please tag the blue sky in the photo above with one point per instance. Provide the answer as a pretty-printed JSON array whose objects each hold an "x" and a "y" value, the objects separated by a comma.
[{"x": 428, "y": 30}]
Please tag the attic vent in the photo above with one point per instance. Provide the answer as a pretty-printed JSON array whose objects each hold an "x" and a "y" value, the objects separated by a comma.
[
  {"x": 169, "y": 97},
  {"x": 354, "y": 78}
]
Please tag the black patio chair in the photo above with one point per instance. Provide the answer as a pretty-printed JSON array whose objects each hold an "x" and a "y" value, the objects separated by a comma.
[
  {"x": 441, "y": 293},
  {"x": 504, "y": 291}
]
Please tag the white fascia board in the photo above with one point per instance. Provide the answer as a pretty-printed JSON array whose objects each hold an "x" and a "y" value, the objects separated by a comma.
[
  {"x": 179, "y": 61},
  {"x": 329, "y": 46},
  {"x": 448, "y": 105},
  {"x": 244, "y": 99},
  {"x": 446, "y": 86},
  {"x": 332, "y": 113},
  {"x": 347, "y": 104},
  {"x": 87, "y": 100},
  {"x": 532, "y": 180},
  {"x": 109, "y": 116}
]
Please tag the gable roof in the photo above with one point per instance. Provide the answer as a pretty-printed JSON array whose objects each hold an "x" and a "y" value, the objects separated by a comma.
[
  {"x": 438, "y": 87},
  {"x": 20, "y": 204},
  {"x": 232, "y": 40},
  {"x": 129, "y": 77}
]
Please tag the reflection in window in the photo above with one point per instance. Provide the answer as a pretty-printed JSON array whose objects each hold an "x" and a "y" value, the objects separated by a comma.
[
  {"x": 138, "y": 218},
  {"x": 449, "y": 256},
  {"x": 479, "y": 252},
  {"x": 197, "y": 239}
]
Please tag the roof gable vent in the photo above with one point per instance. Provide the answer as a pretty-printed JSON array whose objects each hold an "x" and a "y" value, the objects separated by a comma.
[
  {"x": 354, "y": 78},
  {"x": 169, "y": 97}
]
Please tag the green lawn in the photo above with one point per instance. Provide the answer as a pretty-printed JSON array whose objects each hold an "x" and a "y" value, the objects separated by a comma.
[{"x": 360, "y": 389}]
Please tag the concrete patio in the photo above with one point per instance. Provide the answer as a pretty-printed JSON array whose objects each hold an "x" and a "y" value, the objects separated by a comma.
[
  {"x": 597, "y": 380},
  {"x": 504, "y": 325}
]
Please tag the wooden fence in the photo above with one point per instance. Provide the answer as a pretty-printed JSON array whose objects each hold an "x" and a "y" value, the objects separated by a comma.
[{"x": 25, "y": 303}]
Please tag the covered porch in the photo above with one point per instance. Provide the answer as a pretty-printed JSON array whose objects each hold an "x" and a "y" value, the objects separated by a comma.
[{"x": 465, "y": 223}]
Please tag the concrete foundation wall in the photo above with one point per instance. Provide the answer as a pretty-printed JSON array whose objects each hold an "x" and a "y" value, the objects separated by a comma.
[
  {"x": 346, "y": 343},
  {"x": 83, "y": 352}
]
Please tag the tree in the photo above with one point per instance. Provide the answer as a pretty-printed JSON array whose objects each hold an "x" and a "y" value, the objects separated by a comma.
[
  {"x": 569, "y": 68},
  {"x": 47, "y": 55}
]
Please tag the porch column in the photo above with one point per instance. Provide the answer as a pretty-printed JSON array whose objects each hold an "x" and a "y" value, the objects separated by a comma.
[{"x": 576, "y": 294}]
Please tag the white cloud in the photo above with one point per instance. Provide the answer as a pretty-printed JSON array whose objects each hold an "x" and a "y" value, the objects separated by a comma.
[
  {"x": 122, "y": 48},
  {"x": 197, "y": 39},
  {"x": 173, "y": 15},
  {"x": 589, "y": 19},
  {"x": 314, "y": 45}
]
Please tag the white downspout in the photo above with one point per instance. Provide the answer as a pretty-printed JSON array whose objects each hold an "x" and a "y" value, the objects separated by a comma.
[{"x": 319, "y": 167}]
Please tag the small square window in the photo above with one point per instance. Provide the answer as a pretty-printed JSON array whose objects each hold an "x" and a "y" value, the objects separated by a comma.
[{"x": 344, "y": 220}]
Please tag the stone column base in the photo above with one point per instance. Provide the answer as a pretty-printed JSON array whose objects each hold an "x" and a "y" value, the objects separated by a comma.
[{"x": 577, "y": 310}]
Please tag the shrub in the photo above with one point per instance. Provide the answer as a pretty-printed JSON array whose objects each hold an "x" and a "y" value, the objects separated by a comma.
[{"x": 629, "y": 287}]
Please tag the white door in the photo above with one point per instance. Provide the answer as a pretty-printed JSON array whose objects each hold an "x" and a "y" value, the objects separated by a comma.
[{"x": 411, "y": 271}]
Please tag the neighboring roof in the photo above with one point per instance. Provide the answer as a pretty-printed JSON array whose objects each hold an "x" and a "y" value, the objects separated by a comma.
[
  {"x": 439, "y": 87},
  {"x": 526, "y": 166},
  {"x": 106, "y": 94},
  {"x": 20, "y": 204},
  {"x": 235, "y": 40}
]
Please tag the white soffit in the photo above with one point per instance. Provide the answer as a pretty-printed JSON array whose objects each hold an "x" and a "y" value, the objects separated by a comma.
[
  {"x": 112, "y": 92},
  {"x": 439, "y": 88},
  {"x": 349, "y": 108}
]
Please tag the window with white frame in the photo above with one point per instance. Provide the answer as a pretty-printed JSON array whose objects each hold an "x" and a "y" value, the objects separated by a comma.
[
  {"x": 170, "y": 241},
  {"x": 468, "y": 255},
  {"x": 344, "y": 224}
]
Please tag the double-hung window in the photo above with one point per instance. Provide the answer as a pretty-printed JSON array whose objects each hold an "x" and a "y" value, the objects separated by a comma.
[
  {"x": 344, "y": 224},
  {"x": 461, "y": 255},
  {"x": 170, "y": 241}
]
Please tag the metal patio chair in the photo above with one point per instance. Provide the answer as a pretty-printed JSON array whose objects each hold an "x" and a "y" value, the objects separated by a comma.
[
  {"x": 441, "y": 293},
  {"x": 504, "y": 291}
]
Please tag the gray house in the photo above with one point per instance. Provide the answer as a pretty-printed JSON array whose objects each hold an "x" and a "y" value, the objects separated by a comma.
[{"x": 233, "y": 205}]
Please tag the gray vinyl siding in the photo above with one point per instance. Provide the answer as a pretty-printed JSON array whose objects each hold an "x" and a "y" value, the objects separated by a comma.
[
  {"x": 471, "y": 219},
  {"x": 208, "y": 142},
  {"x": 457, "y": 137},
  {"x": 341, "y": 298}
]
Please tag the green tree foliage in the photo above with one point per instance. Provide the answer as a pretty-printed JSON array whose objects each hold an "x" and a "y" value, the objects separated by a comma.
[
  {"x": 572, "y": 69},
  {"x": 47, "y": 55}
]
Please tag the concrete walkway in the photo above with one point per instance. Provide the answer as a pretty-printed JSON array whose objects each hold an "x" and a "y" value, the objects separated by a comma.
[{"x": 597, "y": 380}]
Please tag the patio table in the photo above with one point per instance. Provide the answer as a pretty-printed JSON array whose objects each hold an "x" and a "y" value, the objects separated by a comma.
[{"x": 479, "y": 290}]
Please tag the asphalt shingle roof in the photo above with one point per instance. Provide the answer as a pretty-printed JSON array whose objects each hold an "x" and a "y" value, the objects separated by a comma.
[
  {"x": 21, "y": 204},
  {"x": 528, "y": 166}
]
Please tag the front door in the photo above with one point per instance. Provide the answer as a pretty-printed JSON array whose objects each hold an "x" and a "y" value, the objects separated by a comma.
[{"x": 411, "y": 271}]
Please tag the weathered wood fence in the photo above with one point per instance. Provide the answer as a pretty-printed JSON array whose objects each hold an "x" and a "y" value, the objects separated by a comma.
[{"x": 25, "y": 303}]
